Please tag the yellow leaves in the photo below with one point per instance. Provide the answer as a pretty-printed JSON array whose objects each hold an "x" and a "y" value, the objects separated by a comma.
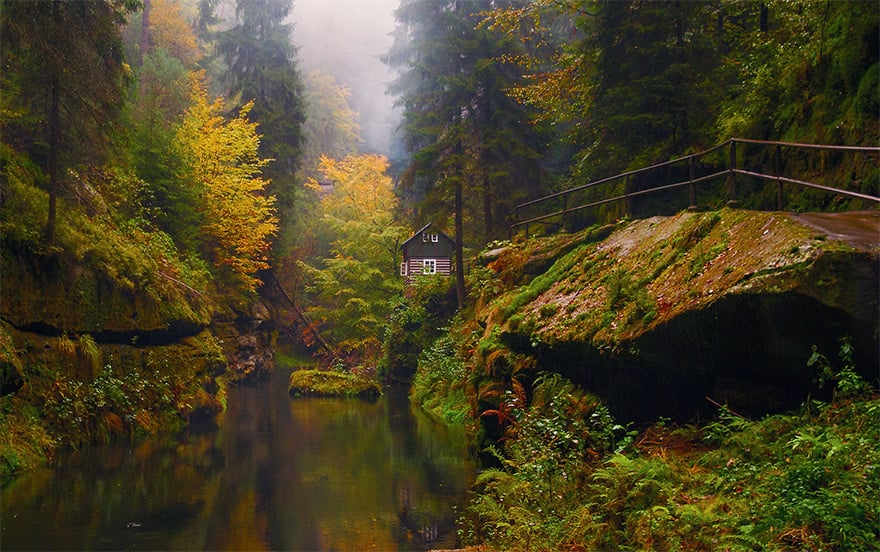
[
  {"x": 224, "y": 166},
  {"x": 362, "y": 189},
  {"x": 170, "y": 30}
]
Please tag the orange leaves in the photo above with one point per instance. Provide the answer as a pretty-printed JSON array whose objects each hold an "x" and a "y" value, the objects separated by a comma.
[{"x": 170, "y": 30}]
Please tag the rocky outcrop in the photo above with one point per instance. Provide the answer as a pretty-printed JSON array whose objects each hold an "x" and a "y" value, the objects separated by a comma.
[
  {"x": 668, "y": 312},
  {"x": 248, "y": 340},
  {"x": 87, "y": 351},
  {"x": 57, "y": 293}
]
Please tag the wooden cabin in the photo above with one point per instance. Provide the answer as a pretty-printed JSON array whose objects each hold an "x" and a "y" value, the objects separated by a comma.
[{"x": 426, "y": 253}]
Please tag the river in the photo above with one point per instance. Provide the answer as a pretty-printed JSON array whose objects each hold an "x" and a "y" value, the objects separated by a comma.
[{"x": 271, "y": 473}]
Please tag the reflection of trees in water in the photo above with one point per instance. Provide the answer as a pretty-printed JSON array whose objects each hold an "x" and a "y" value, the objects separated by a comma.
[
  {"x": 277, "y": 473},
  {"x": 421, "y": 523},
  {"x": 432, "y": 489}
]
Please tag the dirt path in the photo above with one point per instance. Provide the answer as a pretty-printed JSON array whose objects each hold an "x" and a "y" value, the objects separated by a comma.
[{"x": 861, "y": 229}]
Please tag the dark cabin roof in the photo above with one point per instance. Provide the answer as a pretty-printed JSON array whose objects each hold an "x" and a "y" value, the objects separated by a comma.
[{"x": 419, "y": 232}]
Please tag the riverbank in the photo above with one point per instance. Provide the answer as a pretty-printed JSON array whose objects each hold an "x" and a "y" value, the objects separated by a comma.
[
  {"x": 656, "y": 384},
  {"x": 111, "y": 331},
  {"x": 269, "y": 473}
]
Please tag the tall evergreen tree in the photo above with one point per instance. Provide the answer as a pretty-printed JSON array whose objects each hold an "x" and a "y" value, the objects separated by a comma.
[
  {"x": 262, "y": 69},
  {"x": 654, "y": 83},
  {"x": 64, "y": 60},
  {"x": 473, "y": 151}
]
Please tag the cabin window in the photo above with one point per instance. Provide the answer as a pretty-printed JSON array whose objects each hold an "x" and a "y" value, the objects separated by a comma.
[
  {"x": 435, "y": 238},
  {"x": 429, "y": 266},
  {"x": 430, "y": 237},
  {"x": 403, "y": 269}
]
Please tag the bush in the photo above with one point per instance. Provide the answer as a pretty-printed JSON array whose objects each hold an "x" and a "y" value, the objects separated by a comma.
[
  {"x": 440, "y": 382},
  {"x": 571, "y": 479}
]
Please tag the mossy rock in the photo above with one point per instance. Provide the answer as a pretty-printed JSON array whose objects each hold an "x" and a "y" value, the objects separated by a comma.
[{"x": 322, "y": 383}]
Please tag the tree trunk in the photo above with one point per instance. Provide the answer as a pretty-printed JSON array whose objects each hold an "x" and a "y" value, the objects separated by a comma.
[
  {"x": 489, "y": 223},
  {"x": 459, "y": 248},
  {"x": 54, "y": 144},
  {"x": 145, "y": 29}
]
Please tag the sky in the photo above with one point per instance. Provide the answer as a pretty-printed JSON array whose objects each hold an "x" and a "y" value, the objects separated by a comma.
[{"x": 346, "y": 38}]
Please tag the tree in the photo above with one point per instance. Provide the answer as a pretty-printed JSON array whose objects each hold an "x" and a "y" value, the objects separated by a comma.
[
  {"x": 654, "y": 92},
  {"x": 167, "y": 51},
  {"x": 353, "y": 284},
  {"x": 331, "y": 127},
  {"x": 473, "y": 149},
  {"x": 222, "y": 163},
  {"x": 155, "y": 110},
  {"x": 171, "y": 31},
  {"x": 262, "y": 69},
  {"x": 812, "y": 73},
  {"x": 65, "y": 60}
]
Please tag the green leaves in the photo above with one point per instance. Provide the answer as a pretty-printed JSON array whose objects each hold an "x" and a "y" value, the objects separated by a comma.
[{"x": 353, "y": 284}]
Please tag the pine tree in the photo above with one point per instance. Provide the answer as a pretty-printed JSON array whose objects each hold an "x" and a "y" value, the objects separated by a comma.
[
  {"x": 473, "y": 151},
  {"x": 64, "y": 58},
  {"x": 655, "y": 95}
]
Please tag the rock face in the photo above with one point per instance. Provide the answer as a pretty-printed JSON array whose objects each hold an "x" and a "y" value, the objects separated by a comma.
[
  {"x": 667, "y": 315},
  {"x": 58, "y": 293},
  {"x": 248, "y": 340},
  {"x": 124, "y": 357}
]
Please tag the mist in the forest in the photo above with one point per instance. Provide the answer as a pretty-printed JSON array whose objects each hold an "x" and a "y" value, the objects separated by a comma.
[{"x": 346, "y": 38}]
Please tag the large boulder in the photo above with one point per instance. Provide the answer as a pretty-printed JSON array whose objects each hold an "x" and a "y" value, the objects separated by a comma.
[{"x": 670, "y": 315}]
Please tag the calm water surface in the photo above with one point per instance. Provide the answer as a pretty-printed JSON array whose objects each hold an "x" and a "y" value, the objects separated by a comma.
[{"x": 274, "y": 473}]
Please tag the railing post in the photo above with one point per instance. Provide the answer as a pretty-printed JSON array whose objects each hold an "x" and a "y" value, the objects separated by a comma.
[
  {"x": 512, "y": 225},
  {"x": 777, "y": 168},
  {"x": 692, "y": 171},
  {"x": 731, "y": 176},
  {"x": 564, "y": 210},
  {"x": 627, "y": 201}
]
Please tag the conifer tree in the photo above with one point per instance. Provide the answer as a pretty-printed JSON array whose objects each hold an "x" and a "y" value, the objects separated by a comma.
[
  {"x": 64, "y": 58},
  {"x": 473, "y": 150},
  {"x": 262, "y": 69}
]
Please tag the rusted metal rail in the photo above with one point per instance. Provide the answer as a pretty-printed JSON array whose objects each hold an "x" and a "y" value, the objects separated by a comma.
[{"x": 558, "y": 217}]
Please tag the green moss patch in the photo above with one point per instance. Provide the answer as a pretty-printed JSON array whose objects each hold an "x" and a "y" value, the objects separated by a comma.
[{"x": 322, "y": 383}]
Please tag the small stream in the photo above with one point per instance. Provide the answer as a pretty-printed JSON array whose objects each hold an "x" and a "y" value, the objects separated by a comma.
[{"x": 272, "y": 473}]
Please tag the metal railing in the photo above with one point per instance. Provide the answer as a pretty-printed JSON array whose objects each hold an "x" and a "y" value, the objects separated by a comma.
[{"x": 730, "y": 173}]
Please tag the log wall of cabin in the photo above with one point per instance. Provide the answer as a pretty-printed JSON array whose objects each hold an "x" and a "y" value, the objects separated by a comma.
[{"x": 415, "y": 267}]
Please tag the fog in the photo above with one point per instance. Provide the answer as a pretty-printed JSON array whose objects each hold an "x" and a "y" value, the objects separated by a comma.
[{"x": 345, "y": 38}]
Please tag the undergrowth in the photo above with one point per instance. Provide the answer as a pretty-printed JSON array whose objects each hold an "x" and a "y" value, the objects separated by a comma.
[
  {"x": 570, "y": 478},
  {"x": 441, "y": 380}
]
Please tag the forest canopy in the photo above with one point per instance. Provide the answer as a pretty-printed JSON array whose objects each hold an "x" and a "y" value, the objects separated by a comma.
[{"x": 500, "y": 103}]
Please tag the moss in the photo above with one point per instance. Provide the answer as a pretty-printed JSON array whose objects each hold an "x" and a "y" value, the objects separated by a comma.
[
  {"x": 323, "y": 383},
  {"x": 24, "y": 442}
]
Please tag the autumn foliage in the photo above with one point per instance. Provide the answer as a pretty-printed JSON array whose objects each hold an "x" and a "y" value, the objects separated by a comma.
[{"x": 222, "y": 164}]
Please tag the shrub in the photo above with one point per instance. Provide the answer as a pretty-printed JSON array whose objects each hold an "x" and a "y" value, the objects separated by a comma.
[{"x": 440, "y": 382}]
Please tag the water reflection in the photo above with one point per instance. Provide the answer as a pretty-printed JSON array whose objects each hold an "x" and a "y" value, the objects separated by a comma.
[{"x": 275, "y": 473}]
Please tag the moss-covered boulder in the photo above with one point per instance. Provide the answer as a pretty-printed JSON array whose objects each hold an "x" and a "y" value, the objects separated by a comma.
[
  {"x": 325, "y": 383},
  {"x": 669, "y": 311}
]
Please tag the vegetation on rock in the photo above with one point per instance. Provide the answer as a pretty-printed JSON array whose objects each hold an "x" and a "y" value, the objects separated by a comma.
[
  {"x": 328, "y": 383},
  {"x": 569, "y": 475}
]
